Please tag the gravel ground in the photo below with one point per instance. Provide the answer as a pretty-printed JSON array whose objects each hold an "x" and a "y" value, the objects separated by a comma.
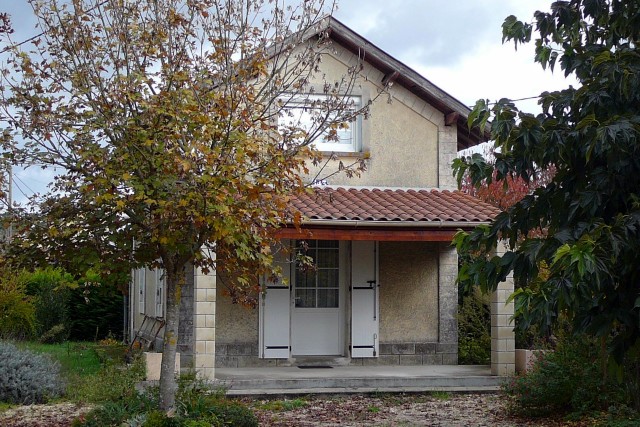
[
  {"x": 402, "y": 410},
  {"x": 338, "y": 410}
]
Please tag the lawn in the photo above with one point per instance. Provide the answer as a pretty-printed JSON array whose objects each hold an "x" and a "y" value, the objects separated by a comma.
[{"x": 78, "y": 358}]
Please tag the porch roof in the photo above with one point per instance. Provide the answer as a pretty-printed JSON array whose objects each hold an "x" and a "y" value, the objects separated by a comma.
[{"x": 386, "y": 214}]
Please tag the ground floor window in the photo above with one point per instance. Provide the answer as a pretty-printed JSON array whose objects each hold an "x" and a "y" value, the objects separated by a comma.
[{"x": 317, "y": 285}]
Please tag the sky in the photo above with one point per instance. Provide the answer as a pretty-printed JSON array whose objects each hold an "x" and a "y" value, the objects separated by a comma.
[{"x": 457, "y": 45}]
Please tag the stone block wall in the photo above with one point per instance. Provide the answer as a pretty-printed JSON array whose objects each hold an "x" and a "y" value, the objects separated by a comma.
[
  {"x": 422, "y": 353},
  {"x": 241, "y": 355},
  {"x": 503, "y": 342},
  {"x": 205, "y": 323}
]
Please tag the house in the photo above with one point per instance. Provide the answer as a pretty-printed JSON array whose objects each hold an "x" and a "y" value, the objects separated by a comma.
[{"x": 384, "y": 290}]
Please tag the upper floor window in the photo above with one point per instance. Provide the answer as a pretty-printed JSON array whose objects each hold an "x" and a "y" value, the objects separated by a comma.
[{"x": 321, "y": 116}]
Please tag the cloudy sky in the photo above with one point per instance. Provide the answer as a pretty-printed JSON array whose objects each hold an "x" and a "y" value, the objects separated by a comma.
[{"x": 455, "y": 44}]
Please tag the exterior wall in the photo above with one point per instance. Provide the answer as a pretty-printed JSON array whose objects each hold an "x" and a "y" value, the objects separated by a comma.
[
  {"x": 406, "y": 144},
  {"x": 137, "y": 316},
  {"x": 237, "y": 333},
  {"x": 408, "y": 292},
  {"x": 185, "y": 328},
  {"x": 402, "y": 138},
  {"x": 418, "y": 304},
  {"x": 414, "y": 286}
]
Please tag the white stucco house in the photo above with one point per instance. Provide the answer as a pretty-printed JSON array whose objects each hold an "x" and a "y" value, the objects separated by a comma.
[{"x": 384, "y": 291}]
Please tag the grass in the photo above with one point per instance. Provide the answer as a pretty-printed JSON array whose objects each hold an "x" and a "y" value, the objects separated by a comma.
[
  {"x": 441, "y": 395},
  {"x": 78, "y": 358},
  {"x": 89, "y": 377},
  {"x": 4, "y": 406}
]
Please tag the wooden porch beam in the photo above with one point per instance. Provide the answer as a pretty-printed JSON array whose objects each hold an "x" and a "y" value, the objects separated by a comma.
[
  {"x": 451, "y": 118},
  {"x": 389, "y": 78},
  {"x": 382, "y": 235}
]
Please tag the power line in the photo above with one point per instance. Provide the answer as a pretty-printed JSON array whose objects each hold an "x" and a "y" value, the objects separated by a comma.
[
  {"x": 16, "y": 177},
  {"x": 526, "y": 98},
  {"x": 20, "y": 189}
]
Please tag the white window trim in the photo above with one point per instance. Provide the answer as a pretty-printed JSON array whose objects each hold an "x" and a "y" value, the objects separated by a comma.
[{"x": 354, "y": 145}]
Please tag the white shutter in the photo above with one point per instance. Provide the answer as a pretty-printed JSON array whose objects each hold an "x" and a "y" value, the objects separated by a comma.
[
  {"x": 275, "y": 306},
  {"x": 159, "y": 292},
  {"x": 142, "y": 289},
  {"x": 364, "y": 299}
]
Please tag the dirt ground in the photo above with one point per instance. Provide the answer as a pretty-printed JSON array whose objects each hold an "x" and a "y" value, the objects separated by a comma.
[{"x": 437, "y": 409}]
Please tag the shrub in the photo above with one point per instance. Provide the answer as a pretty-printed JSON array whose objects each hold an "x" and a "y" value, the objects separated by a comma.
[
  {"x": 572, "y": 380},
  {"x": 96, "y": 311},
  {"x": 57, "y": 334},
  {"x": 233, "y": 413},
  {"x": 113, "y": 382},
  {"x": 27, "y": 377},
  {"x": 130, "y": 410},
  {"x": 17, "y": 312},
  {"x": 474, "y": 330},
  {"x": 51, "y": 289},
  {"x": 197, "y": 406}
]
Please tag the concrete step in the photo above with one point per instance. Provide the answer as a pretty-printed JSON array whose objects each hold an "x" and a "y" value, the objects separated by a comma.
[{"x": 358, "y": 385}]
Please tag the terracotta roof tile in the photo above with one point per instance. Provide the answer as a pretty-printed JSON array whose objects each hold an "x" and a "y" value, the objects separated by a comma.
[{"x": 363, "y": 204}]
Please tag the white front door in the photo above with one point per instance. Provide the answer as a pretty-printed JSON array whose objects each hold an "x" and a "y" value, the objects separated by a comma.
[{"x": 317, "y": 301}]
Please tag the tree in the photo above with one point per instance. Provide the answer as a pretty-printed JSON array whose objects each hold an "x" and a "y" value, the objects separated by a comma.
[
  {"x": 5, "y": 24},
  {"x": 5, "y": 29},
  {"x": 168, "y": 123},
  {"x": 504, "y": 193},
  {"x": 590, "y": 208}
]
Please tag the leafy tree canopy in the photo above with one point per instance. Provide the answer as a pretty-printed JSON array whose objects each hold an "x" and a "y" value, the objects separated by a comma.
[
  {"x": 168, "y": 124},
  {"x": 591, "y": 208}
]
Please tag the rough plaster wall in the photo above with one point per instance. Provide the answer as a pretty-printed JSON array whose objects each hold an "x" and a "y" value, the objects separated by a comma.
[
  {"x": 400, "y": 136},
  {"x": 408, "y": 292},
  {"x": 234, "y": 323}
]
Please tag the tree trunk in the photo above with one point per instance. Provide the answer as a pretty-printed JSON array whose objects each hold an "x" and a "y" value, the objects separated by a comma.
[{"x": 168, "y": 383}]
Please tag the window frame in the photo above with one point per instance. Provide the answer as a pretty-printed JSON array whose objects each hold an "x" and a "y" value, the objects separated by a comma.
[
  {"x": 314, "y": 251},
  {"x": 303, "y": 101}
]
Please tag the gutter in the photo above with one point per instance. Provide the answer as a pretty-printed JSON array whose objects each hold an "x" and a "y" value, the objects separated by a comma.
[{"x": 395, "y": 224}]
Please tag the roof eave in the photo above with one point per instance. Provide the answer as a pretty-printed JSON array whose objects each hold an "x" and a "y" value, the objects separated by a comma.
[
  {"x": 410, "y": 79},
  {"x": 349, "y": 223}
]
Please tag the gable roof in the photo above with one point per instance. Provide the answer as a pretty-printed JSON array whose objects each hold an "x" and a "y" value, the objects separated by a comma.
[
  {"x": 396, "y": 71},
  {"x": 393, "y": 207}
]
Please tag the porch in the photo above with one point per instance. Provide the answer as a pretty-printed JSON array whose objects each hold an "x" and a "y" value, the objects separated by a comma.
[{"x": 356, "y": 379}]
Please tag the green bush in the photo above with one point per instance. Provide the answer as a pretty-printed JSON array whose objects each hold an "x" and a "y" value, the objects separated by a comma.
[
  {"x": 474, "y": 330},
  {"x": 96, "y": 311},
  {"x": 572, "y": 380},
  {"x": 113, "y": 382},
  {"x": 27, "y": 377},
  {"x": 196, "y": 404},
  {"x": 57, "y": 334},
  {"x": 51, "y": 289},
  {"x": 17, "y": 312},
  {"x": 233, "y": 413}
]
